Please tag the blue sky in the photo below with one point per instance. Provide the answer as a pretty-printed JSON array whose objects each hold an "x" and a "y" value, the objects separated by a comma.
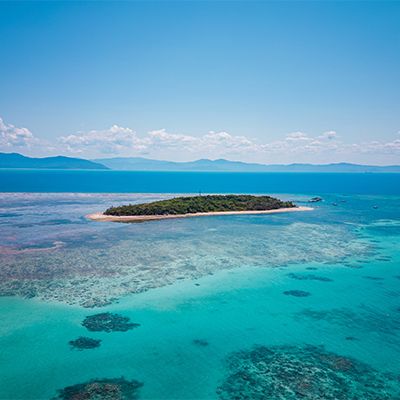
[{"x": 253, "y": 81}]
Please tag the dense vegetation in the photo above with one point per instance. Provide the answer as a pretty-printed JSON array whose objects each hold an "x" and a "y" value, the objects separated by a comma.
[{"x": 201, "y": 204}]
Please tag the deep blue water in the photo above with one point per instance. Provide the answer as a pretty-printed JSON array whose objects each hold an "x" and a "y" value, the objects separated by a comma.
[{"x": 46, "y": 181}]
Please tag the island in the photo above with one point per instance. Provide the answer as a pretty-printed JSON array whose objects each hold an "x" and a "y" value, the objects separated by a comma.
[{"x": 194, "y": 206}]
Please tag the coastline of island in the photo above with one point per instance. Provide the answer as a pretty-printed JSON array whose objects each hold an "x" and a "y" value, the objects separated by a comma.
[
  {"x": 196, "y": 206},
  {"x": 142, "y": 218}
]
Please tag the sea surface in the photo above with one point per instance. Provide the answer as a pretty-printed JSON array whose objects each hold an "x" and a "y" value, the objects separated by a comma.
[
  {"x": 283, "y": 306},
  {"x": 100, "y": 181}
]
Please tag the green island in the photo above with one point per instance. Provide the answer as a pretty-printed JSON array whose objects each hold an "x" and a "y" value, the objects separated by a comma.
[{"x": 201, "y": 204}]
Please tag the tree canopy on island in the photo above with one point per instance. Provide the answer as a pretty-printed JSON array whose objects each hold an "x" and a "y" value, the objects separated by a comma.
[{"x": 201, "y": 204}]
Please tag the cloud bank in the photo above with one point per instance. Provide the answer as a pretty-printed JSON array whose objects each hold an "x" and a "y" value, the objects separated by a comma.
[
  {"x": 118, "y": 141},
  {"x": 13, "y": 137},
  {"x": 112, "y": 141},
  {"x": 294, "y": 147}
]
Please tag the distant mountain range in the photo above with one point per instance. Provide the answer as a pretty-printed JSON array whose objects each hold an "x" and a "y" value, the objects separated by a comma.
[
  {"x": 146, "y": 164},
  {"x": 15, "y": 160}
]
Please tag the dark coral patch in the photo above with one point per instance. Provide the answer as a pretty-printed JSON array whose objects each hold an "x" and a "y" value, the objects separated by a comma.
[
  {"x": 8, "y": 215},
  {"x": 373, "y": 278},
  {"x": 297, "y": 293},
  {"x": 101, "y": 389},
  {"x": 200, "y": 342},
  {"x": 364, "y": 319},
  {"x": 308, "y": 372},
  {"x": 351, "y": 338},
  {"x": 354, "y": 266},
  {"x": 108, "y": 322},
  {"x": 83, "y": 343},
  {"x": 309, "y": 277},
  {"x": 384, "y": 258}
]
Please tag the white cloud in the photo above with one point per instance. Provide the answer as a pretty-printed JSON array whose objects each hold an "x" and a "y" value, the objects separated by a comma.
[
  {"x": 329, "y": 135},
  {"x": 161, "y": 138},
  {"x": 114, "y": 140},
  {"x": 391, "y": 147},
  {"x": 118, "y": 140},
  {"x": 13, "y": 137},
  {"x": 302, "y": 143},
  {"x": 296, "y": 136},
  {"x": 214, "y": 142},
  {"x": 227, "y": 141},
  {"x": 123, "y": 141},
  {"x": 295, "y": 146}
]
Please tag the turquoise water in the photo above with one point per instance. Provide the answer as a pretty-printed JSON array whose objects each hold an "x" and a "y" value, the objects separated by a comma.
[
  {"x": 100, "y": 181},
  {"x": 205, "y": 291}
]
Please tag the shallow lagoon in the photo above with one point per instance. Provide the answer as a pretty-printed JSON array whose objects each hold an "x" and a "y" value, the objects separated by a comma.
[{"x": 219, "y": 281}]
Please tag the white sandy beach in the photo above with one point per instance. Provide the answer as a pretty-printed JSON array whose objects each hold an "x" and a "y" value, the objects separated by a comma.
[{"x": 142, "y": 218}]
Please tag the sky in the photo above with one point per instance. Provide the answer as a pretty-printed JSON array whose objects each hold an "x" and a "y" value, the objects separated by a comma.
[{"x": 269, "y": 82}]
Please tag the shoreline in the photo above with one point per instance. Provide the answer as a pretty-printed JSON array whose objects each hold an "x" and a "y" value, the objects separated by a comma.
[{"x": 142, "y": 218}]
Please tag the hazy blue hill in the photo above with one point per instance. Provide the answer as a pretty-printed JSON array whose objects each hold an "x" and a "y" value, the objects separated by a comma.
[
  {"x": 146, "y": 164},
  {"x": 15, "y": 160},
  {"x": 138, "y": 164}
]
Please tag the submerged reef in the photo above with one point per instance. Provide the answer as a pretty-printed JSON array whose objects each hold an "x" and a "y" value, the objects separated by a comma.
[
  {"x": 94, "y": 265},
  {"x": 374, "y": 278},
  {"x": 384, "y": 258},
  {"x": 108, "y": 322},
  {"x": 83, "y": 343},
  {"x": 101, "y": 389},
  {"x": 351, "y": 338},
  {"x": 297, "y": 293},
  {"x": 364, "y": 319},
  {"x": 307, "y": 372},
  {"x": 200, "y": 342},
  {"x": 309, "y": 277}
]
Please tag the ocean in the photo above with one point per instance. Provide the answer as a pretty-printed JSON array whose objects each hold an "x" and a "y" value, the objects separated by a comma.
[
  {"x": 100, "y": 181},
  {"x": 281, "y": 306}
]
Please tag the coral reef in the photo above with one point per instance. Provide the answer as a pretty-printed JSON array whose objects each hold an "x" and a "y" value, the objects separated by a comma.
[
  {"x": 83, "y": 343},
  {"x": 351, "y": 338},
  {"x": 308, "y": 372},
  {"x": 93, "y": 265},
  {"x": 297, "y": 293},
  {"x": 200, "y": 342},
  {"x": 373, "y": 278},
  {"x": 364, "y": 319},
  {"x": 101, "y": 389},
  {"x": 309, "y": 277},
  {"x": 108, "y": 322},
  {"x": 384, "y": 258}
]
